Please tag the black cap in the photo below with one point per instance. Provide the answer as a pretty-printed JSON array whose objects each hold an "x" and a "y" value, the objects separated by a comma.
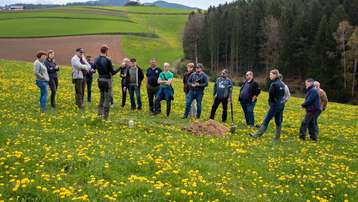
[
  {"x": 81, "y": 50},
  {"x": 133, "y": 60}
]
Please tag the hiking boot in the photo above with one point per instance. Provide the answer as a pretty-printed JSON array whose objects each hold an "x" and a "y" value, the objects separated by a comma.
[
  {"x": 277, "y": 134},
  {"x": 106, "y": 113}
]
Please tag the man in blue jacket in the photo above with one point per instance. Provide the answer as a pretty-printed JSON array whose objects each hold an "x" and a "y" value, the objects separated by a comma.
[
  {"x": 313, "y": 109},
  {"x": 153, "y": 73}
]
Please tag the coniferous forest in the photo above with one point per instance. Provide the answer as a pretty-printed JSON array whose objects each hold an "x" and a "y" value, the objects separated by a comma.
[{"x": 302, "y": 38}]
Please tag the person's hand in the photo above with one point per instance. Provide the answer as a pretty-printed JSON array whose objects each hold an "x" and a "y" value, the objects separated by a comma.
[
  {"x": 193, "y": 85},
  {"x": 124, "y": 88}
]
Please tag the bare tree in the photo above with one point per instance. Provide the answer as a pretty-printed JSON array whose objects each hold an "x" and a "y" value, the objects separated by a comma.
[
  {"x": 192, "y": 34},
  {"x": 352, "y": 54},
  {"x": 270, "y": 49},
  {"x": 342, "y": 35}
]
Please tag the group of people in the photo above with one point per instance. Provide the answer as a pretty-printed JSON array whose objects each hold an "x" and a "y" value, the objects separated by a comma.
[{"x": 159, "y": 88}]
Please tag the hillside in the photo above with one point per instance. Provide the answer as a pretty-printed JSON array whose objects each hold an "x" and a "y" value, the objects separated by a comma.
[
  {"x": 145, "y": 32},
  {"x": 69, "y": 155}
]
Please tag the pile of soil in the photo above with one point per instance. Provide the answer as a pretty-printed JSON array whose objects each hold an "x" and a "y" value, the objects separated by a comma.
[{"x": 208, "y": 128}]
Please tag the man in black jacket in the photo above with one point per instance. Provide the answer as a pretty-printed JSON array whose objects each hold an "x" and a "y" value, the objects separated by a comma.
[
  {"x": 189, "y": 71},
  {"x": 276, "y": 103},
  {"x": 105, "y": 70},
  {"x": 248, "y": 97},
  {"x": 133, "y": 81},
  {"x": 52, "y": 69},
  {"x": 152, "y": 83}
]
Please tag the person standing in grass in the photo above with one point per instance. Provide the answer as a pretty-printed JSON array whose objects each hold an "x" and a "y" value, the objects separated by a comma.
[
  {"x": 52, "y": 69},
  {"x": 322, "y": 95},
  {"x": 79, "y": 68},
  {"x": 42, "y": 78},
  {"x": 197, "y": 83},
  {"x": 276, "y": 104},
  {"x": 153, "y": 86},
  {"x": 105, "y": 70},
  {"x": 89, "y": 78},
  {"x": 189, "y": 71},
  {"x": 123, "y": 71},
  {"x": 312, "y": 105},
  {"x": 166, "y": 91},
  {"x": 133, "y": 81},
  {"x": 222, "y": 93},
  {"x": 248, "y": 98}
]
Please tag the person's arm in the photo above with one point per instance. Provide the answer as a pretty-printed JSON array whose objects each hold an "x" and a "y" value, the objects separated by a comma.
[
  {"x": 309, "y": 99},
  {"x": 190, "y": 81},
  {"x": 205, "y": 82},
  {"x": 272, "y": 92},
  {"x": 215, "y": 87},
  {"x": 324, "y": 100},
  {"x": 77, "y": 64}
]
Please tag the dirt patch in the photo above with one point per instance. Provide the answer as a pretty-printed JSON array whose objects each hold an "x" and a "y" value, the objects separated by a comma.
[
  {"x": 25, "y": 49},
  {"x": 208, "y": 128}
]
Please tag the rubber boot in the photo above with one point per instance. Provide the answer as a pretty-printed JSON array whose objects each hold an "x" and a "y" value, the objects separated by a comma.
[
  {"x": 105, "y": 113},
  {"x": 259, "y": 132},
  {"x": 277, "y": 134}
]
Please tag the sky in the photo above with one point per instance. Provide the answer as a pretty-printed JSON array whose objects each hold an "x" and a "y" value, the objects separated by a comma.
[{"x": 193, "y": 3}]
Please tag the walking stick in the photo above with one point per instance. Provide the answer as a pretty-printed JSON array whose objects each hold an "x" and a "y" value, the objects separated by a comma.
[{"x": 233, "y": 126}]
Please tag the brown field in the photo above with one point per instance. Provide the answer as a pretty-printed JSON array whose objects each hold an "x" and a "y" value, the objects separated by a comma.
[{"x": 64, "y": 47}]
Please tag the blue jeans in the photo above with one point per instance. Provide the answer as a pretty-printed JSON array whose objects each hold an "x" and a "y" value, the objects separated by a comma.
[
  {"x": 277, "y": 112},
  {"x": 43, "y": 85},
  {"x": 310, "y": 122},
  {"x": 133, "y": 88},
  {"x": 248, "y": 108},
  {"x": 193, "y": 95}
]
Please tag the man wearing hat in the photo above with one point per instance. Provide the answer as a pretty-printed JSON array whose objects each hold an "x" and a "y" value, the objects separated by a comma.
[
  {"x": 197, "y": 83},
  {"x": 79, "y": 68},
  {"x": 222, "y": 93}
]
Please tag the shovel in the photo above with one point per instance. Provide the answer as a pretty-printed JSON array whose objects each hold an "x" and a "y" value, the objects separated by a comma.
[{"x": 233, "y": 126}]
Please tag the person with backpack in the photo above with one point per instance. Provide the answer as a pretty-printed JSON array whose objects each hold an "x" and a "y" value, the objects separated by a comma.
[
  {"x": 133, "y": 81},
  {"x": 105, "y": 70},
  {"x": 42, "y": 78},
  {"x": 52, "y": 69},
  {"x": 166, "y": 91},
  {"x": 89, "y": 78},
  {"x": 287, "y": 95},
  {"x": 197, "y": 82},
  {"x": 123, "y": 71},
  {"x": 312, "y": 105},
  {"x": 276, "y": 104},
  {"x": 188, "y": 72},
  {"x": 322, "y": 95},
  {"x": 153, "y": 86},
  {"x": 79, "y": 68},
  {"x": 222, "y": 93},
  {"x": 249, "y": 92}
]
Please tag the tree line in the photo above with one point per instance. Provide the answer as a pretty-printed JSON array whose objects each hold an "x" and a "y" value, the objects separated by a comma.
[{"x": 302, "y": 38}]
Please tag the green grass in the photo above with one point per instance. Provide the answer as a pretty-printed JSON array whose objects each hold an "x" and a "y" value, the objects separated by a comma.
[
  {"x": 66, "y": 154},
  {"x": 147, "y": 9}
]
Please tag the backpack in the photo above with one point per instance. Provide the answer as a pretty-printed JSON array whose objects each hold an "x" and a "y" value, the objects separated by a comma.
[{"x": 287, "y": 95}]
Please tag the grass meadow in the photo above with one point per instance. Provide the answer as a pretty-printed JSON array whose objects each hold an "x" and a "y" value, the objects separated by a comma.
[{"x": 70, "y": 155}]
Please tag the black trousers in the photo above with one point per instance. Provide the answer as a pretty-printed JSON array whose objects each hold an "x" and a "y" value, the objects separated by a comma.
[
  {"x": 215, "y": 106},
  {"x": 124, "y": 94},
  {"x": 53, "y": 84},
  {"x": 152, "y": 94},
  {"x": 80, "y": 85}
]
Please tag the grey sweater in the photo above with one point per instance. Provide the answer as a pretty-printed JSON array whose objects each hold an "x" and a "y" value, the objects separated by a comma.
[{"x": 40, "y": 71}]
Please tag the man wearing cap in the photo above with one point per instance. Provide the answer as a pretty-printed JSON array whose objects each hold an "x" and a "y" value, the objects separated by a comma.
[
  {"x": 105, "y": 71},
  {"x": 197, "y": 83},
  {"x": 222, "y": 93},
  {"x": 79, "y": 68}
]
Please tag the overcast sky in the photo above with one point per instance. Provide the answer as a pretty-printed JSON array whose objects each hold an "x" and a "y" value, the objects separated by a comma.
[{"x": 194, "y": 3}]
